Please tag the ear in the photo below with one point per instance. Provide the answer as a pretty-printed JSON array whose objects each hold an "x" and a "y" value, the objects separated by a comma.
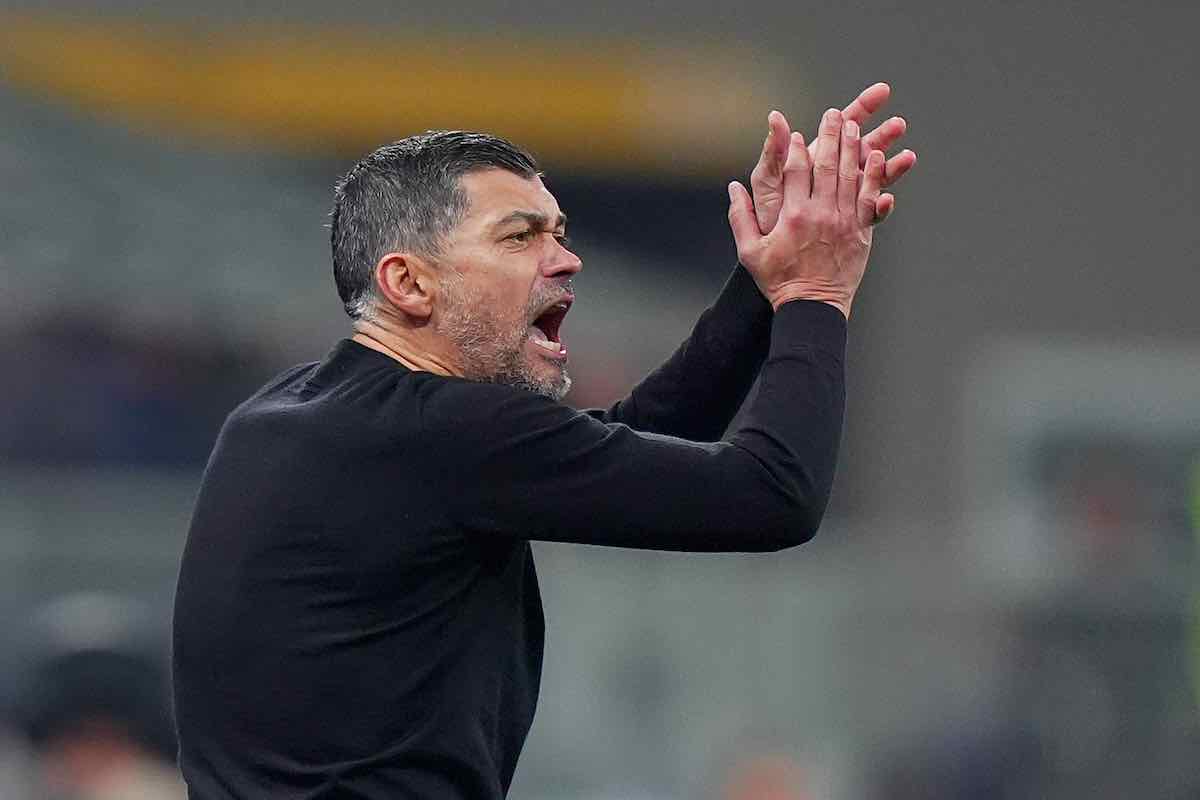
[{"x": 407, "y": 281}]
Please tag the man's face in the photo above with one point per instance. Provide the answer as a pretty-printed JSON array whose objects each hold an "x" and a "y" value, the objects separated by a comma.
[{"x": 506, "y": 284}]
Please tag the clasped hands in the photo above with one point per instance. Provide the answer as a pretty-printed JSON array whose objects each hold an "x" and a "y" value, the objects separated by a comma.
[{"x": 807, "y": 232}]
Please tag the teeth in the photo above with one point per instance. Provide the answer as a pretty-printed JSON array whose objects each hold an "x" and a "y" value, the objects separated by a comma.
[{"x": 538, "y": 337}]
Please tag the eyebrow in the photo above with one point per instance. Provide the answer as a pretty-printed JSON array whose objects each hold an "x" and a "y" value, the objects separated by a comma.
[{"x": 534, "y": 219}]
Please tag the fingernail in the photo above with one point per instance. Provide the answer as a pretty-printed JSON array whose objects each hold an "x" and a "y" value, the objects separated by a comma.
[
  {"x": 730, "y": 188},
  {"x": 832, "y": 114},
  {"x": 850, "y": 128}
]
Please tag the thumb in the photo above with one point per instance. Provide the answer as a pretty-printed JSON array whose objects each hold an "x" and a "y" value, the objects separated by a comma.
[{"x": 742, "y": 220}]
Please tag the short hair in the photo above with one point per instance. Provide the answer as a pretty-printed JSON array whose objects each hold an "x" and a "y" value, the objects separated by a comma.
[{"x": 407, "y": 196}]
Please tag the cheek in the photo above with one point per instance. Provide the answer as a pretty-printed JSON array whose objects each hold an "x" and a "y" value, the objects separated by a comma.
[
  {"x": 509, "y": 288},
  {"x": 517, "y": 302},
  {"x": 510, "y": 316},
  {"x": 502, "y": 302}
]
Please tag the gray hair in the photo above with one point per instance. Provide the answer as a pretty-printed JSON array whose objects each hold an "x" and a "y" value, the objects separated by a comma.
[{"x": 406, "y": 197}]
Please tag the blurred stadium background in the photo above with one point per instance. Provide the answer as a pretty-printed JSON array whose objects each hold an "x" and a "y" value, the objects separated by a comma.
[{"x": 1004, "y": 601}]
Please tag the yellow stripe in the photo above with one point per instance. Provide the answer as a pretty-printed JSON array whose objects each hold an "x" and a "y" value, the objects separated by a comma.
[{"x": 588, "y": 102}]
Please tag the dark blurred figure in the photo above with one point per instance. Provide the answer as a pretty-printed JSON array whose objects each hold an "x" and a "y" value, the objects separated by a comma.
[
  {"x": 972, "y": 764},
  {"x": 1106, "y": 660},
  {"x": 83, "y": 390},
  {"x": 94, "y": 704}
]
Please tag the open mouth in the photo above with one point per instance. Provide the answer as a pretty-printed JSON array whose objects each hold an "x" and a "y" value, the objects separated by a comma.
[{"x": 544, "y": 332}]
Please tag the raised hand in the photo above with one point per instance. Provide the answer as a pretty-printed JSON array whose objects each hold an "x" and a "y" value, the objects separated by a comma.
[
  {"x": 818, "y": 248},
  {"x": 766, "y": 180}
]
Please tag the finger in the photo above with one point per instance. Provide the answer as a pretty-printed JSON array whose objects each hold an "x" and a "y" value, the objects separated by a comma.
[
  {"x": 868, "y": 195},
  {"x": 741, "y": 220},
  {"x": 778, "y": 131},
  {"x": 883, "y": 137},
  {"x": 774, "y": 150},
  {"x": 884, "y": 206},
  {"x": 898, "y": 166},
  {"x": 797, "y": 175},
  {"x": 766, "y": 179},
  {"x": 825, "y": 164},
  {"x": 870, "y": 100},
  {"x": 848, "y": 169}
]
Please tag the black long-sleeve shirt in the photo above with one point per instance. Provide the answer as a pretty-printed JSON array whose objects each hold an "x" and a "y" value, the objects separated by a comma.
[{"x": 358, "y": 614}]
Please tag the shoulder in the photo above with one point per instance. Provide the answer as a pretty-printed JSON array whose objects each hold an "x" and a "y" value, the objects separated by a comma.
[
  {"x": 252, "y": 417},
  {"x": 284, "y": 384}
]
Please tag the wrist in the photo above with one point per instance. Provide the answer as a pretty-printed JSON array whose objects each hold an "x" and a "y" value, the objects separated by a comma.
[{"x": 836, "y": 299}]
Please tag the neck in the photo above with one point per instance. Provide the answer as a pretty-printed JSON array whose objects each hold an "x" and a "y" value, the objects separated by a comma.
[{"x": 402, "y": 344}]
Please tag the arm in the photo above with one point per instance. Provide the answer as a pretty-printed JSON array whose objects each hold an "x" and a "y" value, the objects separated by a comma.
[
  {"x": 519, "y": 465},
  {"x": 696, "y": 392},
  {"x": 525, "y": 466}
]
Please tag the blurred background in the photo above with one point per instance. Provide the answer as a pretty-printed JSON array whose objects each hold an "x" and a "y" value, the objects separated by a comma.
[{"x": 1004, "y": 601}]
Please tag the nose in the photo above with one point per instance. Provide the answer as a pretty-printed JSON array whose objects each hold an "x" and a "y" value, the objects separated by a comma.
[{"x": 562, "y": 262}]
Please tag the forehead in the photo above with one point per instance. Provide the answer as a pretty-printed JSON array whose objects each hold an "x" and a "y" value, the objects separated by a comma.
[{"x": 493, "y": 194}]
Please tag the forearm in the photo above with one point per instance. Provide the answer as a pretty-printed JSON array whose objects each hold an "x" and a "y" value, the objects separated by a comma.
[
  {"x": 793, "y": 427},
  {"x": 696, "y": 392}
]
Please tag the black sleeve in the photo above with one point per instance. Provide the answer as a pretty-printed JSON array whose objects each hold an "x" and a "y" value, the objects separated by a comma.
[
  {"x": 697, "y": 391},
  {"x": 513, "y": 463}
]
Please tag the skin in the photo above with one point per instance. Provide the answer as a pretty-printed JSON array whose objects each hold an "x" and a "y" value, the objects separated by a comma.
[
  {"x": 767, "y": 178},
  {"x": 96, "y": 757},
  {"x": 471, "y": 313},
  {"x": 818, "y": 248}
]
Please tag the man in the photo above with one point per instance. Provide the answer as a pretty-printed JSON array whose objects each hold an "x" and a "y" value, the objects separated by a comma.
[
  {"x": 357, "y": 612},
  {"x": 91, "y": 698}
]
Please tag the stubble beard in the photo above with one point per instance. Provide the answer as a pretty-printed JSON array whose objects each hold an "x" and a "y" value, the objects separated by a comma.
[{"x": 493, "y": 349}]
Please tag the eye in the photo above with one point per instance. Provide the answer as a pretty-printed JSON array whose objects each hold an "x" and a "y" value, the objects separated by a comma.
[
  {"x": 563, "y": 240},
  {"x": 520, "y": 236}
]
